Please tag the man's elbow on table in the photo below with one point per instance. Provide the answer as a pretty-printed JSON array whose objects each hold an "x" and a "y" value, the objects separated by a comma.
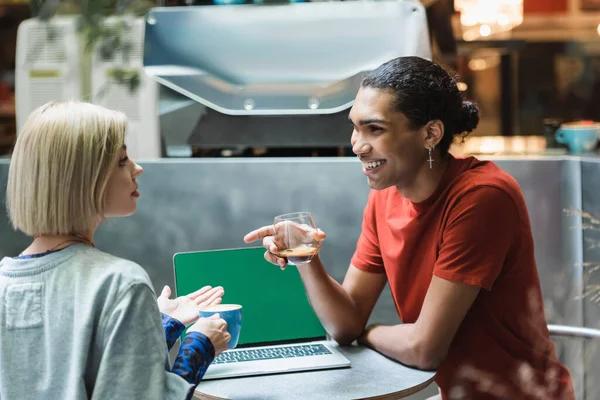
[
  {"x": 344, "y": 340},
  {"x": 428, "y": 356},
  {"x": 346, "y": 335}
]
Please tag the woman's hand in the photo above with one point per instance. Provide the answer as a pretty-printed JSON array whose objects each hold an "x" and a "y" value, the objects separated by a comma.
[
  {"x": 186, "y": 308},
  {"x": 215, "y": 329}
]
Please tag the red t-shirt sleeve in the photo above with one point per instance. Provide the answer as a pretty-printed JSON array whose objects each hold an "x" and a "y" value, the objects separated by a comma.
[
  {"x": 481, "y": 229},
  {"x": 367, "y": 256}
]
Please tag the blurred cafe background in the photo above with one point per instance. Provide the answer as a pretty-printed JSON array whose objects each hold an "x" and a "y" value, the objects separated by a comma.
[{"x": 238, "y": 112}]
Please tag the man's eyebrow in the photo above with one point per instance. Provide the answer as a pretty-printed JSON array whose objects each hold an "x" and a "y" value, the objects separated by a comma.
[{"x": 369, "y": 121}]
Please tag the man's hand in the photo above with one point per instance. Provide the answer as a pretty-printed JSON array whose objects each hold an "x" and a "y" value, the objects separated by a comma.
[
  {"x": 277, "y": 237},
  {"x": 364, "y": 338},
  {"x": 425, "y": 343},
  {"x": 185, "y": 308}
]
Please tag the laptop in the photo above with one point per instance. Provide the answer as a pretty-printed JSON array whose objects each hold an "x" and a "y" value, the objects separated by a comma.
[{"x": 280, "y": 331}]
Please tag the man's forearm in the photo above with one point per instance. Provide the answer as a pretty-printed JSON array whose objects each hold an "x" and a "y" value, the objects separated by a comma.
[
  {"x": 401, "y": 343},
  {"x": 334, "y": 306}
]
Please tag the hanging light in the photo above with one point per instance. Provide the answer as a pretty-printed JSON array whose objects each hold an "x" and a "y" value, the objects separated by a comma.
[{"x": 483, "y": 18}]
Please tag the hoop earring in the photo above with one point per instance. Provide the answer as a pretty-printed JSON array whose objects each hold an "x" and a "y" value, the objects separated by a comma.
[{"x": 430, "y": 160}]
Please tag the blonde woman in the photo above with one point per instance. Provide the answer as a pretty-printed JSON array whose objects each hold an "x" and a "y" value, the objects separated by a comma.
[{"x": 76, "y": 322}]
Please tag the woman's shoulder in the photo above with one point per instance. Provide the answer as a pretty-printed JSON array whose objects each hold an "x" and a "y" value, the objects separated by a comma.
[{"x": 102, "y": 268}]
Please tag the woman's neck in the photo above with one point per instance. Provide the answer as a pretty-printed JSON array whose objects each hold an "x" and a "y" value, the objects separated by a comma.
[{"x": 51, "y": 242}]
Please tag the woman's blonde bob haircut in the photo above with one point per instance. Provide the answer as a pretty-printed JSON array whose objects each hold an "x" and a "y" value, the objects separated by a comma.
[{"x": 60, "y": 167}]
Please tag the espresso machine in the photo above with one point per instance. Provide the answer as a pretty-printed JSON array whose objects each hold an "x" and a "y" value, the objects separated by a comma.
[{"x": 271, "y": 76}]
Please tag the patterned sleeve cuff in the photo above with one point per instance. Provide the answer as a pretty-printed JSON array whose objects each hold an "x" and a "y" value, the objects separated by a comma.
[
  {"x": 173, "y": 329},
  {"x": 195, "y": 355}
]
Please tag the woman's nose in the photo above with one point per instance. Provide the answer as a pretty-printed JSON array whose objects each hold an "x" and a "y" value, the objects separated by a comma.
[{"x": 137, "y": 170}]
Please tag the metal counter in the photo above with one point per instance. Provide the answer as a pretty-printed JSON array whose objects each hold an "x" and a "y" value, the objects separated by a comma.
[{"x": 192, "y": 204}]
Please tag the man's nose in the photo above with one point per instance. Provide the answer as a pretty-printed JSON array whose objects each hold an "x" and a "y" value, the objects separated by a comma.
[{"x": 361, "y": 147}]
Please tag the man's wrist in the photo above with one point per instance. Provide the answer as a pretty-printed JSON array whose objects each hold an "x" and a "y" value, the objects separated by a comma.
[{"x": 314, "y": 261}]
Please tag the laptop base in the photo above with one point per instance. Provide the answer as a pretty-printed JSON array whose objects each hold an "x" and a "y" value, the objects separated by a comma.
[{"x": 331, "y": 360}]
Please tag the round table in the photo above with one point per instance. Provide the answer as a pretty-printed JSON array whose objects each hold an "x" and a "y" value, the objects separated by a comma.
[{"x": 370, "y": 376}]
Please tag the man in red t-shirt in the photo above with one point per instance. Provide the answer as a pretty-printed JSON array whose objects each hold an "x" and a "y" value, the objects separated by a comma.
[{"x": 451, "y": 236}]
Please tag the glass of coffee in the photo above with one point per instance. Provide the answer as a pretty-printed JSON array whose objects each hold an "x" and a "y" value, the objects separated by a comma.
[{"x": 296, "y": 231}]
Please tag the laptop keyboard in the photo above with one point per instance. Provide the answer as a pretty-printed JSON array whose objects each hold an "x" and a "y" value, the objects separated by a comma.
[{"x": 270, "y": 353}]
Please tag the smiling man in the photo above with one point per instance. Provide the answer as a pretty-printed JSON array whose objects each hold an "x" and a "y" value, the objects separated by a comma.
[{"x": 450, "y": 235}]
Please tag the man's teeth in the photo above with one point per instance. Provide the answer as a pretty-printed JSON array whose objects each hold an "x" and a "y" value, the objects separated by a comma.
[{"x": 373, "y": 164}]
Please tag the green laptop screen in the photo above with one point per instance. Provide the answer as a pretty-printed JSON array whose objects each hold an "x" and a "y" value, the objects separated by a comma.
[{"x": 275, "y": 305}]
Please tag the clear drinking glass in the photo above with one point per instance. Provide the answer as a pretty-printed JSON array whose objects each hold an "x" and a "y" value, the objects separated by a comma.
[{"x": 296, "y": 231}]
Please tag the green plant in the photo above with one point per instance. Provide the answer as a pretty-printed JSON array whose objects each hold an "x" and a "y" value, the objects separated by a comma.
[
  {"x": 110, "y": 40},
  {"x": 591, "y": 224}
]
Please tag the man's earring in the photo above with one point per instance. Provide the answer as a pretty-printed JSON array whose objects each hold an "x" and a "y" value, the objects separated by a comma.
[{"x": 430, "y": 160}]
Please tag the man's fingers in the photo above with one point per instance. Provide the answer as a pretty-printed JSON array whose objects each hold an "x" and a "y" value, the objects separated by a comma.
[
  {"x": 269, "y": 244},
  {"x": 259, "y": 233},
  {"x": 320, "y": 235},
  {"x": 273, "y": 259}
]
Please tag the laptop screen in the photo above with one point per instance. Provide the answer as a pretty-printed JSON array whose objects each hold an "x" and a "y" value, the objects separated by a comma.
[{"x": 275, "y": 306}]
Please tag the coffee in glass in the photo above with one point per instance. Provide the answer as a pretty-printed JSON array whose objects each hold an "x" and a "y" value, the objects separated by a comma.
[{"x": 297, "y": 239}]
